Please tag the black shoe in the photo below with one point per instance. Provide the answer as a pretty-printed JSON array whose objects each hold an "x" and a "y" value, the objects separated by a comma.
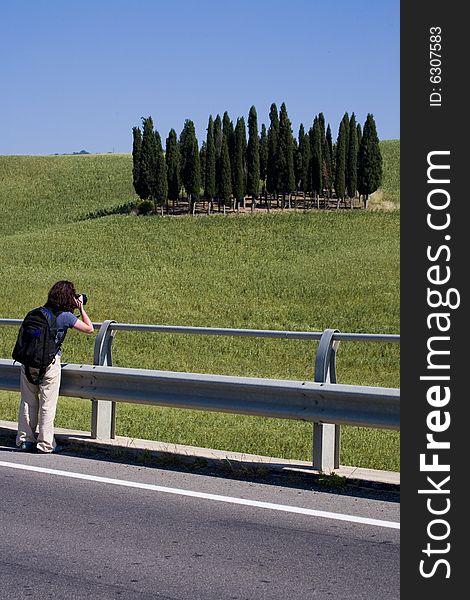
[{"x": 27, "y": 447}]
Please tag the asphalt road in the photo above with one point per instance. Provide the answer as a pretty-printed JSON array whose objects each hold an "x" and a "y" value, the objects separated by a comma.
[{"x": 98, "y": 538}]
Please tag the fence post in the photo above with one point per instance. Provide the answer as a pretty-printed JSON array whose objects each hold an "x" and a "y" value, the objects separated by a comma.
[
  {"x": 326, "y": 436},
  {"x": 103, "y": 412}
]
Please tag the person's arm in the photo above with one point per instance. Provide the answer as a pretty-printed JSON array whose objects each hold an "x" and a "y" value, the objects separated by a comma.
[{"x": 83, "y": 324}]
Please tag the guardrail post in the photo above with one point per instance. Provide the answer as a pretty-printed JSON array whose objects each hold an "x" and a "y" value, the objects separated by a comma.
[
  {"x": 103, "y": 412},
  {"x": 326, "y": 436}
]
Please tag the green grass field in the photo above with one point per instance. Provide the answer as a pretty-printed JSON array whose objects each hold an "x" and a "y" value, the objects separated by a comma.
[{"x": 280, "y": 271}]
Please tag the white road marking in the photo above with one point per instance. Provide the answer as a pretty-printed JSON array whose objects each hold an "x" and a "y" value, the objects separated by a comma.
[{"x": 229, "y": 499}]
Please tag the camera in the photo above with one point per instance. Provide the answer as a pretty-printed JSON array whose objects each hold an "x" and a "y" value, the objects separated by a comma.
[{"x": 84, "y": 298}]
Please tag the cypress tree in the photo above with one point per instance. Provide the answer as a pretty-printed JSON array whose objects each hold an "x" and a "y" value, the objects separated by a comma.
[
  {"x": 218, "y": 137},
  {"x": 359, "y": 136},
  {"x": 172, "y": 157},
  {"x": 359, "y": 139},
  {"x": 202, "y": 163},
  {"x": 273, "y": 140},
  {"x": 295, "y": 152},
  {"x": 225, "y": 190},
  {"x": 340, "y": 174},
  {"x": 346, "y": 141},
  {"x": 321, "y": 122},
  {"x": 329, "y": 142},
  {"x": 285, "y": 155},
  {"x": 304, "y": 159},
  {"x": 298, "y": 158},
  {"x": 229, "y": 133},
  {"x": 253, "y": 157},
  {"x": 161, "y": 182},
  {"x": 316, "y": 160},
  {"x": 136, "y": 161},
  {"x": 324, "y": 164},
  {"x": 218, "y": 151},
  {"x": 190, "y": 164},
  {"x": 346, "y": 131},
  {"x": 227, "y": 128},
  {"x": 327, "y": 172},
  {"x": 332, "y": 153},
  {"x": 310, "y": 142},
  {"x": 149, "y": 161},
  {"x": 244, "y": 149},
  {"x": 369, "y": 175},
  {"x": 351, "y": 167},
  {"x": 209, "y": 179},
  {"x": 263, "y": 154},
  {"x": 239, "y": 167}
]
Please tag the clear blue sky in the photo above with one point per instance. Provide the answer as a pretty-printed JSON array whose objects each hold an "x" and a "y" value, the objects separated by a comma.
[{"x": 80, "y": 74}]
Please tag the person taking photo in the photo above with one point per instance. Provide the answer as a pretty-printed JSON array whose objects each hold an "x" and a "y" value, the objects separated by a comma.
[{"x": 40, "y": 391}]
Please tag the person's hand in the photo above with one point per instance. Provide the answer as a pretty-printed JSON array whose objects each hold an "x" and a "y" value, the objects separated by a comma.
[{"x": 79, "y": 302}]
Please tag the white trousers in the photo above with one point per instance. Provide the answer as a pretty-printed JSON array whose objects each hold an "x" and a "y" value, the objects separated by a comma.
[{"x": 38, "y": 406}]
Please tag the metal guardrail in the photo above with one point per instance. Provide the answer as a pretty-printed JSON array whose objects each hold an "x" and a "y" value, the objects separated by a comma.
[
  {"x": 328, "y": 405},
  {"x": 277, "y": 398},
  {"x": 267, "y": 333}
]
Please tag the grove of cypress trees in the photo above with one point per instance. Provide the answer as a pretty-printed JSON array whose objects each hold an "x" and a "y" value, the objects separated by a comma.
[
  {"x": 137, "y": 161},
  {"x": 190, "y": 164},
  {"x": 369, "y": 170},
  {"x": 340, "y": 174},
  {"x": 228, "y": 166},
  {"x": 209, "y": 176},
  {"x": 351, "y": 167},
  {"x": 172, "y": 157},
  {"x": 253, "y": 158}
]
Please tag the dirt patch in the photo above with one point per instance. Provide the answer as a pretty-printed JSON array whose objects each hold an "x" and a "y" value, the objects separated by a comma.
[{"x": 377, "y": 201}]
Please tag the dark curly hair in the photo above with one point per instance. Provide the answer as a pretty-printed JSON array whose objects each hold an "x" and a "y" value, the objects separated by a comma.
[{"x": 62, "y": 297}]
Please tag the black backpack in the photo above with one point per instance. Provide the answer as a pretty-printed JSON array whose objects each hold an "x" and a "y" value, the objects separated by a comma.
[{"x": 36, "y": 346}]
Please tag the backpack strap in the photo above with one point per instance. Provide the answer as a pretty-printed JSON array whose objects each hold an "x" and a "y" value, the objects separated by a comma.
[
  {"x": 48, "y": 314},
  {"x": 52, "y": 319}
]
